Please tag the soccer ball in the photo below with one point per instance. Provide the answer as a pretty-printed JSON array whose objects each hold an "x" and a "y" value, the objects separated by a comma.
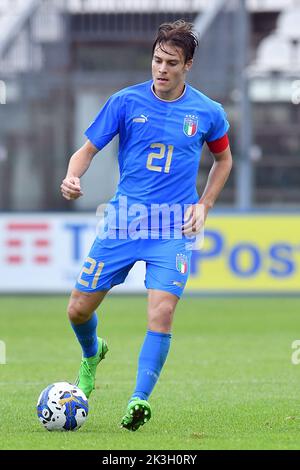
[{"x": 62, "y": 407}]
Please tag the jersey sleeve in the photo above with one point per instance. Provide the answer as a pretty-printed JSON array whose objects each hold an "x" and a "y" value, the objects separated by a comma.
[
  {"x": 219, "y": 126},
  {"x": 106, "y": 125}
]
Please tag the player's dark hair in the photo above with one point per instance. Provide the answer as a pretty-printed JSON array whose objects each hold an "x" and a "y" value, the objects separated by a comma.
[{"x": 178, "y": 34}]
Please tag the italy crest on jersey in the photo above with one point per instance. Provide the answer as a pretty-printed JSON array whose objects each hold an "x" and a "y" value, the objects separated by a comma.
[
  {"x": 181, "y": 263},
  {"x": 190, "y": 125}
]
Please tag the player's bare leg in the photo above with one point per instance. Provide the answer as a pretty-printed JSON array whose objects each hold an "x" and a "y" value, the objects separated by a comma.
[
  {"x": 81, "y": 312},
  {"x": 83, "y": 304},
  {"x": 161, "y": 308}
]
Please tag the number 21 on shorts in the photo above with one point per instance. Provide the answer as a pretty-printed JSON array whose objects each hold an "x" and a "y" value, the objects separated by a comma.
[{"x": 93, "y": 268}]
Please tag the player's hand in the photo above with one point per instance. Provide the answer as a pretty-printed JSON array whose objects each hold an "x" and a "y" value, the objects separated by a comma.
[
  {"x": 70, "y": 188},
  {"x": 194, "y": 219}
]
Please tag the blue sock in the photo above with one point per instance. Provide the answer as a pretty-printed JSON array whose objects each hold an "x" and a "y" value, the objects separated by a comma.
[
  {"x": 87, "y": 336},
  {"x": 151, "y": 360}
]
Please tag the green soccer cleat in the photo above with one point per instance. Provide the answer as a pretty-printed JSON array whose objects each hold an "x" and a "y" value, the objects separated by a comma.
[
  {"x": 137, "y": 414},
  {"x": 87, "y": 371}
]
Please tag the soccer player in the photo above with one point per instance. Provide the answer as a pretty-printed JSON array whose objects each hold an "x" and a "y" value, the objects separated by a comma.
[{"x": 162, "y": 125}]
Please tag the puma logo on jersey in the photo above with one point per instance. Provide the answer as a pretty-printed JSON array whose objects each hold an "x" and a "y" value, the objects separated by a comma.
[{"x": 141, "y": 118}]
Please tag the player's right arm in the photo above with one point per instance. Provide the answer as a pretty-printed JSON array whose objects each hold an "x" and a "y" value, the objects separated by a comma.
[{"x": 78, "y": 165}]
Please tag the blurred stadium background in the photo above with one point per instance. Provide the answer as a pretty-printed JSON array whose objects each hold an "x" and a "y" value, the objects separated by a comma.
[
  {"x": 59, "y": 62},
  {"x": 230, "y": 381}
]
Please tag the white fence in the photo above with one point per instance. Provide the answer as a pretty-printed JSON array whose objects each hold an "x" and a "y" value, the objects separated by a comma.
[
  {"x": 242, "y": 253},
  {"x": 45, "y": 252}
]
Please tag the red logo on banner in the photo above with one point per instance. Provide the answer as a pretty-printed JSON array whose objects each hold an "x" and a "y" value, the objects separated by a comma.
[{"x": 28, "y": 242}]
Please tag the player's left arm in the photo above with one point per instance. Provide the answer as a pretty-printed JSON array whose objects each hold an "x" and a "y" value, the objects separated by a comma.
[{"x": 196, "y": 215}]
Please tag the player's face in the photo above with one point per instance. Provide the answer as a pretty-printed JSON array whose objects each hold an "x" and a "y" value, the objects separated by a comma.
[{"x": 168, "y": 71}]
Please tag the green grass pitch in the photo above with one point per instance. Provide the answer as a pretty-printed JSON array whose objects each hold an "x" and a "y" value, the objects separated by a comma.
[{"x": 228, "y": 383}]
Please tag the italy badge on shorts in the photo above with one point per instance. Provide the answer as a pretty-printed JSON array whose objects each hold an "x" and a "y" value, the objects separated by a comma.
[
  {"x": 190, "y": 125},
  {"x": 181, "y": 263}
]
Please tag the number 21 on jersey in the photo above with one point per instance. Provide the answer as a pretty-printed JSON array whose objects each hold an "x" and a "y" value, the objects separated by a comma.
[{"x": 165, "y": 154}]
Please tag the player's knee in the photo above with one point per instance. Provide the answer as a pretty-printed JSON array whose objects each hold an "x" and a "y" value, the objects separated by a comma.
[
  {"x": 77, "y": 312},
  {"x": 160, "y": 317}
]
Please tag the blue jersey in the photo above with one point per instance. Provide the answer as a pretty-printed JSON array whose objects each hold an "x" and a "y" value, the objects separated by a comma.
[{"x": 160, "y": 142}]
